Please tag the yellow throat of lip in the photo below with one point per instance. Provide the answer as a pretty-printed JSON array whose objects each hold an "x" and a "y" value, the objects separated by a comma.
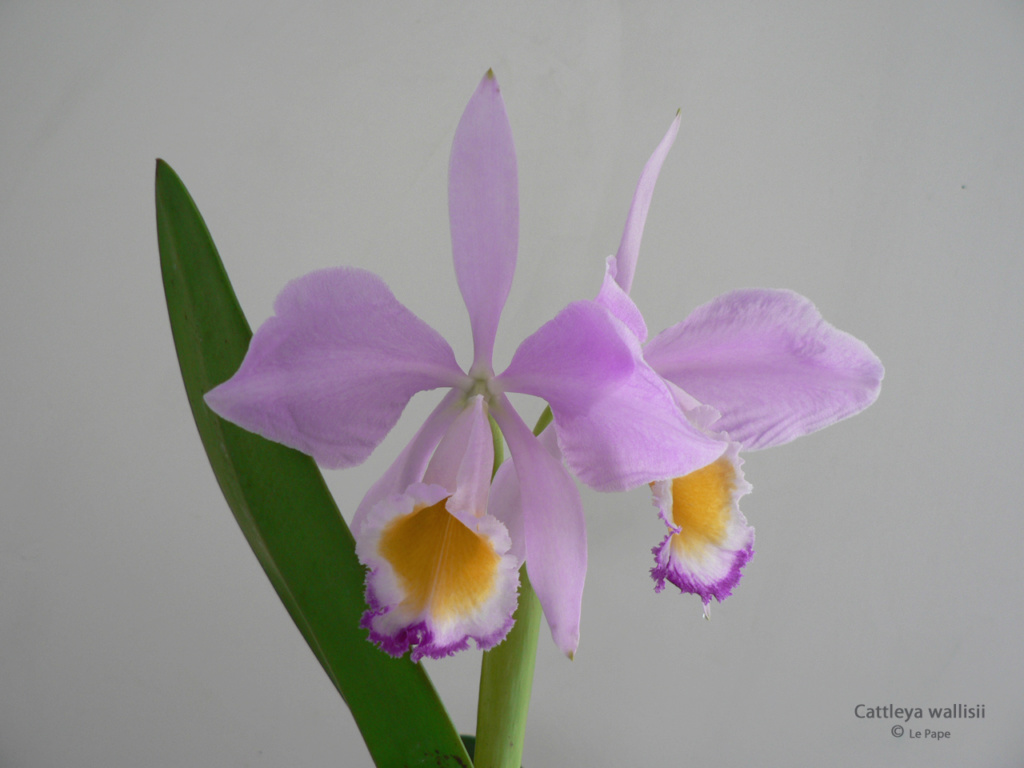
[
  {"x": 702, "y": 506},
  {"x": 442, "y": 566}
]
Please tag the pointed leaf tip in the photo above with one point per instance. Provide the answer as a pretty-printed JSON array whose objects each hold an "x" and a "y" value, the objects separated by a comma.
[{"x": 162, "y": 166}]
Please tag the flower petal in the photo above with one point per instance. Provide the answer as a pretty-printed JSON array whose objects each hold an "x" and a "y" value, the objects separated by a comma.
[
  {"x": 699, "y": 414},
  {"x": 614, "y": 437},
  {"x": 709, "y": 540},
  {"x": 436, "y": 580},
  {"x": 506, "y": 504},
  {"x": 769, "y": 363},
  {"x": 629, "y": 246},
  {"x": 464, "y": 460},
  {"x": 572, "y": 361},
  {"x": 411, "y": 464},
  {"x": 483, "y": 206},
  {"x": 617, "y": 301},
  {"x": 634, "y": 436},
  {"x": 330, "y": 373},
  {"x": 554, "y": 530}
]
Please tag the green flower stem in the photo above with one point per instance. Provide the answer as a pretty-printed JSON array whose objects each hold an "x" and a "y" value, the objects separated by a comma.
[
  {"x": 506, "y": 674},
  {"x": 506, "y": 678}
]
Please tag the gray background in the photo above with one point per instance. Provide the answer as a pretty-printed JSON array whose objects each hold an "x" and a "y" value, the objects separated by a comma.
[{"x": 868, "y": 155}]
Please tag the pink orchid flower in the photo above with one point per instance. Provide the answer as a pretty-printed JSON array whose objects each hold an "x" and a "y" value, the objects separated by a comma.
[
  {"x": 332, "y": 371},
  {"x": 755, "y": 367}
]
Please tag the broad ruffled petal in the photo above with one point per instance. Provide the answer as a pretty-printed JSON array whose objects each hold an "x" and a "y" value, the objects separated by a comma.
[
  {"x": 554, "y": 530},
  {"x": 629, "y": 247},
  {"x": 436, "y": 580},
  {"x": 632, "y": 433},
  {"x": 769, "y": 363},
  {"x": 572, "y": 361},
  {"x": 709, "y": 540},
  {"x": 483, "y": 205},
  {"x": 330, "y": 373}
]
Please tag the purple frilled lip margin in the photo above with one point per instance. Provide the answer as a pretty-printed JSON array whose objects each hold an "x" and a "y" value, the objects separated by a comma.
[{"x": 330, "y": 373}]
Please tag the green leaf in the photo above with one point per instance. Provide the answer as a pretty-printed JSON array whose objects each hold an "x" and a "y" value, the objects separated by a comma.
[{"x": 283, "y": 506}]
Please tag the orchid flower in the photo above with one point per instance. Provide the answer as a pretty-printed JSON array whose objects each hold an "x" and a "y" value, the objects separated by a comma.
[
  {"x": 330, "y": 373},
  {"x": 756, "y": 368}
]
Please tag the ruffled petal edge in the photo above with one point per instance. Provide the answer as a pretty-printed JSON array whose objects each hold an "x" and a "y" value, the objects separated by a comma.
[
  {"x": 396, "y": 624},
  {"x": 707, "y": 569}
]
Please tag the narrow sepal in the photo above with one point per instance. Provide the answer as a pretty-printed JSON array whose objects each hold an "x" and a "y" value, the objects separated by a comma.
[
  {"x": 483, "y": 208},
  {"x": 629, "y": 246},
  {"x": 553, "y": 525}
]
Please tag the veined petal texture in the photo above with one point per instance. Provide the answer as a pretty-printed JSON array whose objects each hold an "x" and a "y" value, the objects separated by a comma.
[
  {"x": 332, "y": 371},
  {"x": 769, "y": 363},
  {"x": 572, "y": 361},
  {"x": 483, "y": 208},
  {"x": 635, "y": 435}
]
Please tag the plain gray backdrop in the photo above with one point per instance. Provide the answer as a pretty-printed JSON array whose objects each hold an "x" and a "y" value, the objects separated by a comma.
[{"x": 866, "y": 154}]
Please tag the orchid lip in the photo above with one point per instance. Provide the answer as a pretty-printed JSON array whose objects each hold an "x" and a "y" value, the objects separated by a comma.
[{"x": 439, "y": 575}]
